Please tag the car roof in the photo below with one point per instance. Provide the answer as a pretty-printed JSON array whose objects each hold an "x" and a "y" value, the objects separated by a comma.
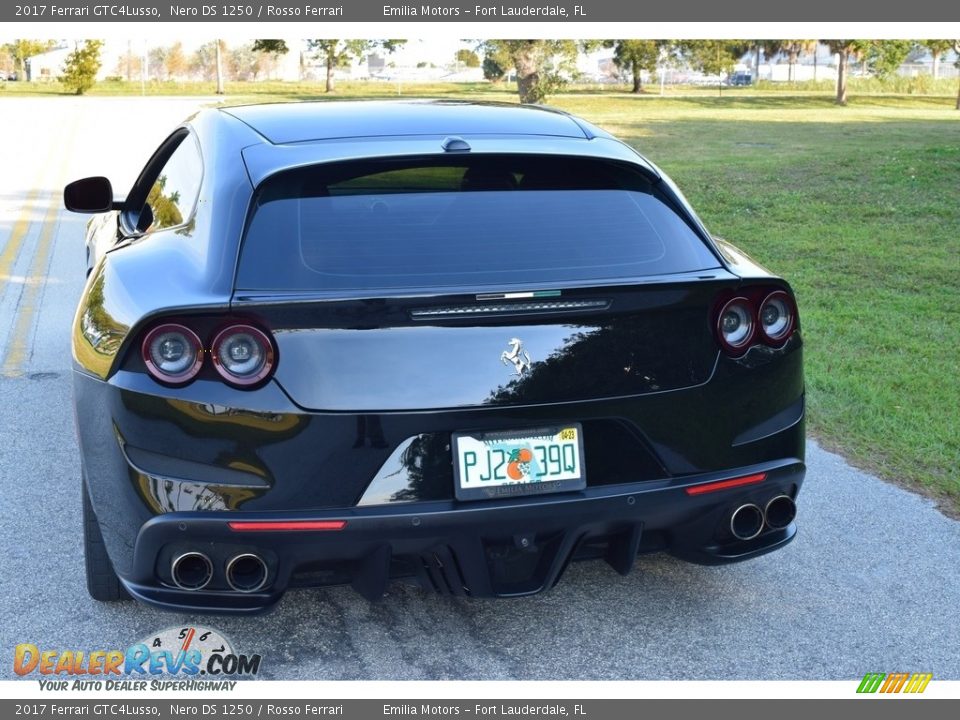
[{"x": 287, "y": 123}]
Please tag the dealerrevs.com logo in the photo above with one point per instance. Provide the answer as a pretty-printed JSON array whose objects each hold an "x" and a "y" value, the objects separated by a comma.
[{"x": 177, "y": 652}]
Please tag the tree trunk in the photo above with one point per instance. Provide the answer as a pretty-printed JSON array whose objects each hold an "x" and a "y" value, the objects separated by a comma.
[
  {"x": 956, "y": 49},
  {"x": 792, "y": 69},
  {"x": 528, "y": 78},
  {"x": 637, "y": 80},
  {"x": 756, "y": 67},
  {"x": 330, "y": 72},
  {"x": 842, "y": 79},
  {"x": 719, "y": 80},
  {"x": 219, "y": 70},
  {"x": 527, "y": 87},
  {"x": 936, "y": 65}
]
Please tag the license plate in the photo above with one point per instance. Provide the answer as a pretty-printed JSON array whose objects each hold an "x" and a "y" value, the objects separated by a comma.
[{"x": 518, "y": 462}]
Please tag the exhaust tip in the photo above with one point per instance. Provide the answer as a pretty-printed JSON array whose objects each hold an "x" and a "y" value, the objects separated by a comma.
[
  {"x": 246, "y": 572},
  {"x": 746, "y": 522},
  {"x": 191, "y": 571},
  {"x": 780, "y": 512}
]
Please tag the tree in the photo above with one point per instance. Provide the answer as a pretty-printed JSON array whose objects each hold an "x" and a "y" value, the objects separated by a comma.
[
  {"x": 937, "y": 49},
  {"x": 128, "y": 65},
  {"x": 7, "y": 65},
  {"x": 157, "y": 63},
  {"x": 340, "y": 53},
  {"x": 493, "y": 70},
  {"x": 540, "y": 64},
  {"x": 269, "y": 51},
  {"x": 956, "y": 49},
  {"x": 845, "y": 49},
  {"x": 175, "y": 62},
  {"x": 713, "y": 57},
  {"x": 20, "y": 50},
  {"x": 467, "y": 57},
  {"x": 271, "y": 47},
  {"x": 636, "y": 56},
  {"x": 245, "y": 63},
  {"x": 769, "y": 49},
  {"x": 203, "y": 62},
  {"x": 884, "y": 57},
  {"x": 793, "y": 49},
  {"x": 165, "y": 207},
  {"x": 82, "y": 66}
]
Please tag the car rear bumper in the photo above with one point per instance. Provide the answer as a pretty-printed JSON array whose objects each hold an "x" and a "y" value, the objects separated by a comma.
[{"x": 498, "y": 548}]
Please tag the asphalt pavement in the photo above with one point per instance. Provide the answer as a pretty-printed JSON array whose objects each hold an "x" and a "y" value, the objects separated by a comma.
[{"x": 869, "y": 585}]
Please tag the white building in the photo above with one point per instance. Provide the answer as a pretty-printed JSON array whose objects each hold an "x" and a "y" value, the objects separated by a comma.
[
  {"x": 47, "y": 66},
  {"x": 780, "y": 72}
]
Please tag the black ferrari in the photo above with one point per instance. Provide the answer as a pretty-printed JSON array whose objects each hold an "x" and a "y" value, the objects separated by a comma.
[{"x": 450, "y": 343}]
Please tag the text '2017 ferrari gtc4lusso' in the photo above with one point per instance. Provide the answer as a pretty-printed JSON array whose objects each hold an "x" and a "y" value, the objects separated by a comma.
[{"x": 451, "y": 343}]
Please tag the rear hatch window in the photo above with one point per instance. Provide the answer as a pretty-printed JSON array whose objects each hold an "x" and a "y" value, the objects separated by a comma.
[{"x": 462, "y": 222}]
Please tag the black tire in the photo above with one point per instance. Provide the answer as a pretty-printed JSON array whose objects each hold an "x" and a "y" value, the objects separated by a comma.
[{"x": 102, "y": 582}]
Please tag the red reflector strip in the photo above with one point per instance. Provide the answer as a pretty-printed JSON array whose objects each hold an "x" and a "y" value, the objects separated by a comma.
[
  {"x": 726, "y": 484},
  {"x": 287, "y": 525}
]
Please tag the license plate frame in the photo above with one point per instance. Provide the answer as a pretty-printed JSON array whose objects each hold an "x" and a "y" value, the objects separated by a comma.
[{"x": 507, "y": 440}]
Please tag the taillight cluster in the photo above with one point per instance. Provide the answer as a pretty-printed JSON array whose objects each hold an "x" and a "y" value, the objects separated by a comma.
[
  {"x": 756, "y": 316},
  {"x": 242, "y": 354}
]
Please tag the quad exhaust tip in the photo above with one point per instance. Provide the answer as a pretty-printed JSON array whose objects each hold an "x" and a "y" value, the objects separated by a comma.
[
  {"x": 191, "y": 571},
  {"x": 780, "y": 512},
  {"x": 246, "y": 572},
  {"x": 746, "y": 522}
]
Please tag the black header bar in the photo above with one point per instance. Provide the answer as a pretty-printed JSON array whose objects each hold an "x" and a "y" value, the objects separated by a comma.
[
  {"x": 228, "y": 707},
  {"x": 553, "y": 11}
]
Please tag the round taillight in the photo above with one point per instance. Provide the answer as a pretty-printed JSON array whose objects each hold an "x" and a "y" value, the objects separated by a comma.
[
  {"x": 776, "y": 317},
  {"x": 735, "y": 325},
  {"x": 243, "y": 355},
  {"x": 172, "y": 353}
]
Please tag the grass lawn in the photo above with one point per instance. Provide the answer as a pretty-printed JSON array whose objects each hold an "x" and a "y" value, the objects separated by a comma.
[
  {"x": 942, "y": 91},
  {"x": 858, "y": 207}
]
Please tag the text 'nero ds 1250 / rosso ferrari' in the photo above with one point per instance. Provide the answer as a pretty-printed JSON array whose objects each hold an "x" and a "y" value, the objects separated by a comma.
[{"x": 450, "y": 343}]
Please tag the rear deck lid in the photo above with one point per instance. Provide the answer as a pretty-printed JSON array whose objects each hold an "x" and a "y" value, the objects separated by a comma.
[{"x": 459, "y": 281}]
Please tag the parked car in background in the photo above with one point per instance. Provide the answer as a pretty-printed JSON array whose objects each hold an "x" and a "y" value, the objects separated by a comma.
[{"x": 449, "y": 343}]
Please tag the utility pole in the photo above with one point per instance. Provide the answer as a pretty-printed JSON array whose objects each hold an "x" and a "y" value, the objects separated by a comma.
[
  {"x": 219, "y": 70},
  {"x": 719, "y": 79}
]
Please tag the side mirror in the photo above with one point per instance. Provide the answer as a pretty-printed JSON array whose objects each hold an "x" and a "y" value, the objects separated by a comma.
[{"x": 90, "y": 195}]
